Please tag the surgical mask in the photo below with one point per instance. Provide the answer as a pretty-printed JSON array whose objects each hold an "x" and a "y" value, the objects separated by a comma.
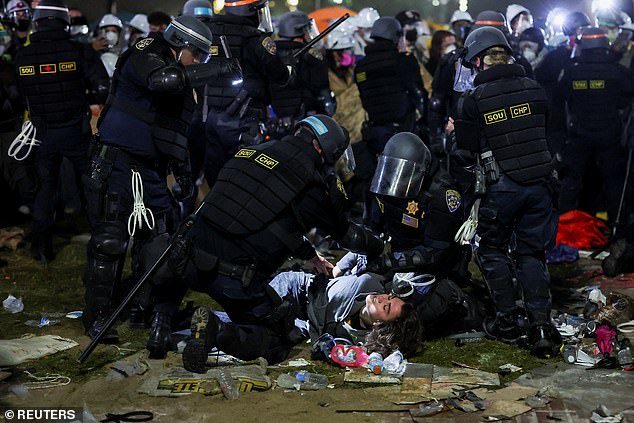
[
  {"x": 347, "y": 60},
  {"x": 449, "y": 49},
  {"x": 112, "y": 38},
  {"x": 529, "y": 54}
]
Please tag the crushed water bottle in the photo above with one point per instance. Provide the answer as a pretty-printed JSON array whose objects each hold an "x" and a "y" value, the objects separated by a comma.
[
  {"x": 393, "y": 362},
  {"x": 227, "y": 385},
  {"x": 302, "y": 380},
  {"x": 375, "y": 363}
]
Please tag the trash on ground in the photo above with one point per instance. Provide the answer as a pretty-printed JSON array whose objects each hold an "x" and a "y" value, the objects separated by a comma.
[
  {"x": 426, "y": 410},
  {"x": 128, "y": 367},
  {"x": 227, "y": 385},
  {"x": 462, "y": 376},
  {"x": 361, "y": 375},
  {"x": 19, "y": 390},
  {"x": 47, "y": 381},
  {"x": 30, "y": 347},
  {"x": 537, "y": 401},
  {"x": 13, "y": 305},
  {"x": 44, "y": 321},
  {"x": 349, "y": 355},
  {"x": 74, "y": 314},
  {"x": 603, "y": 415},
  {"x": 509, "y": 368},
  {"x": 302, "y": 380}
]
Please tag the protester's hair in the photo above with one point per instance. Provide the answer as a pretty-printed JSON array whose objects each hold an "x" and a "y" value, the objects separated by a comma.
[
  {"x": 436, "y": 42},
  {"x": 404, "y": 334},
  {"x": 159, "y": 18},
  {"x": 495, "y": 56}
]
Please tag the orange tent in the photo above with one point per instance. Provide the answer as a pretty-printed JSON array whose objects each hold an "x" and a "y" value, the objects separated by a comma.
[{"x": 323, "y": 16}]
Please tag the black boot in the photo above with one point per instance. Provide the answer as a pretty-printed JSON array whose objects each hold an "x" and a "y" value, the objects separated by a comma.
[
  {"x": 506, "y": 327},
  {"x": 42, "y": 247},
  {"x": 620, "y": 260},
  {"x": 205, "y": 327},
  {"x": 544, "y": 340},
  {"x": 97, "y": 325},
  {"x": 160, "y": 341}
]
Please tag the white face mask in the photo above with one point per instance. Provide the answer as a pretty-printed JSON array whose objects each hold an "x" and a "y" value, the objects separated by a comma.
[
  {"x": 112, "y": 38},
  {"x": 529, "y": 54},
  {"x": 449, "y": 49}
]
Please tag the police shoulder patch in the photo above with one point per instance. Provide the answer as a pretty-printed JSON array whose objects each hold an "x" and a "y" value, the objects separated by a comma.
[
  {"x": 453, "y": 199},
  {"x": 142, "y": 44},
  {"x": 269, "y": 45}
]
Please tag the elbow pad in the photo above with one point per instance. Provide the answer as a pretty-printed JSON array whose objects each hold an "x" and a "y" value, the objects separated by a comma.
[
  {"x": 408, "y": 260},
  {"x": 167, "y": 79},
  {"x": 361, "y": 240},
  {"x": 328, "y": 102},
  {"x": 437, "y": 105},
  {"x": 420, "y": 101}
]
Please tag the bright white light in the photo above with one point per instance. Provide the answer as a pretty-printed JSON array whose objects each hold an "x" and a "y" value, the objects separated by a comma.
[
  {"x": 337, "y": 1},
  {"x": 464, "y": 5},
  {"x": 559, "y": 20},
  {"x": 292, "y": 3},
  {"x": 435, "y": 3},
  {"x": 236, "y": 82},
  {"x": 603, "y": 5}
]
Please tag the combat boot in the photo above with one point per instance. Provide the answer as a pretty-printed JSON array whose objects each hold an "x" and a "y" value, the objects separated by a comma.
[
  {"x": 620, "y": 260},
  {"x": 506, "y": 327},
  {"x": 97, "y": 325},
  {"x": 42, "y": 247},
  {"x": 544, "y": 340},
  {"x": 205, "y": 327},
  {"x": 160, "y": 341}
]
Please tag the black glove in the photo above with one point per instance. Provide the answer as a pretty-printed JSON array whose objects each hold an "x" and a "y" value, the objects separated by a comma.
[
  {"x": 183, "y": 188},
  {"x": 230, "y": 68},
  {"x": 180, "y": 256}
]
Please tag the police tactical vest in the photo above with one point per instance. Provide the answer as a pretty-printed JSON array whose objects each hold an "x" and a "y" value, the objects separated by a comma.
[
  {"x": 51, "y": 76},
  {"x": 169, "y": 114},
  {"x": 379, "y": 76},
  {"x": 593, "y": 103},
  {"x": 406, "y": 220},
  {"x": 294, "y": 99},
  {"x": 512, "y": 117},
  {"x": 259, "y": 183},
  {"x": 222, "y": 92}
]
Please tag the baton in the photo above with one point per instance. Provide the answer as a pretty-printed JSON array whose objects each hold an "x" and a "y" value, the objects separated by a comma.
[{"x": 321, "y": 35}]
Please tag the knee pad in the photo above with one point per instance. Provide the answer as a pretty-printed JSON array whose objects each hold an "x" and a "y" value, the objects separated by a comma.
[{"x": 108, "y": 239}]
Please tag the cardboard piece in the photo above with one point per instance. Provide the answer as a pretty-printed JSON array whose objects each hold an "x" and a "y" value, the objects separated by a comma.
[
  {"x": 31, "y": 347},
  {"x": 362, "y": 375}
]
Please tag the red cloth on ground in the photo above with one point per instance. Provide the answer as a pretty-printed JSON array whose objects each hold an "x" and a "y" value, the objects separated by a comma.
[{"x": 582, "y": 231}]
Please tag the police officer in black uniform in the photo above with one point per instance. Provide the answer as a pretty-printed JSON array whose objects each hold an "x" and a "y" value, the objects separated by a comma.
[
  {"x": 503, "y": 121},
  {"x": 53, "y": 78},
  {"x": 418, "y": 206},
  {"x": 143, "y": 131},
  {"x": 390, "y": 86},
  {"x": 595, "y": 88},
  {"x": 237, "y": 108},
  {"x": 548, "y": 74},
  {"x": 447, "y": 86},
  {"x": 266, "y": 197},
  {"x": 309, "y": 93}
]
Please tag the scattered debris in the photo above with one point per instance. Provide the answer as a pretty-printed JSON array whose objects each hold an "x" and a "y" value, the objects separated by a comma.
[
  {"x": 44, "y": 321},
  {"x": 603, "y": 415},
  {"x": 537, "y": 401},
  {"x": 125, "y": 368},
  {"x": 509, "y": 368},
  {"x": 30, "y": 347},
  {"x": 13, "y": 305},
  {"x": 426, "y": 410}
]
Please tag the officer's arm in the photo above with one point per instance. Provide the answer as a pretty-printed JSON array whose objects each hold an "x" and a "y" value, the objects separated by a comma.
[
  {"x": 466, "y": 124},
  {"x": 414, "y": 84},
  {"x": 95, "y": 74},
  {"x": 268, "y": 61},
  {"x": 175, "y": 78}
]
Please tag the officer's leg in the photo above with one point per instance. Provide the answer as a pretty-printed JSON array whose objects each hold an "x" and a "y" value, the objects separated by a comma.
[
  {"x": 47, "y": 161},
  {"x": 223, "y": 136},
  {"x": 495, "y": 227},
  {"x": 535, "y": 232},
  {"x": 105, "y": 257},
  {"x": 612, "y": 162},
  {"x": 576, "y": 155}
]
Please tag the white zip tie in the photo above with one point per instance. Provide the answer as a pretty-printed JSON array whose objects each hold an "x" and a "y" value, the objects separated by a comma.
[
  {"x": 48, "y": 381},
  {"x": 26, "y": 137},
  {"x": 139, "y": 212},
  {"x": 468, "y": 229}
]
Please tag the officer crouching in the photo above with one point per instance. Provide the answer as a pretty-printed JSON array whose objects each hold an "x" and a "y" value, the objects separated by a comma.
[{"x": 503, "y": 121}]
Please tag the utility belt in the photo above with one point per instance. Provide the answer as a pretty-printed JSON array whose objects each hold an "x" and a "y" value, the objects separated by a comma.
[
  {"x": 487, "y": 172},
  {"x": 244, "y": 273}
]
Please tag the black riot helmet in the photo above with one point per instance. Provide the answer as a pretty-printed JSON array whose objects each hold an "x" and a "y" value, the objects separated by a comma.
[
  {"x": 332, "y": 138},
  {"x": 574, "y": 21},
  {"x": 188, "y": 32},
  {"x": 51, "y": 9},
  {"x": 491, "y": 18},
  {"x": 402, "y": 166},
  {"x": 592, "y": 37},
  {"x": 201, "y": 9},
  {"x": 252, "y": 8},
  {"x": 293, "y": 24},
  {"x": 387, "y": 28},
  {"x": 482, "y": 39}
]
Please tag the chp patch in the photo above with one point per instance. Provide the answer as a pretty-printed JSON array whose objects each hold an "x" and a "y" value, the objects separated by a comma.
[
  {"x": 142, "y": 44},
  {"x": 453, "y": 200},
  {"x": 67, "y": 66},
  {"x": 269, "y": 45},
  {"x": 266, "y": 161}
]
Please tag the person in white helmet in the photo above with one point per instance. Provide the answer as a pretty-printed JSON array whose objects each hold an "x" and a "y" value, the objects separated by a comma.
[
  {"x": 519, "y": 19},
  {"x": 363, "y": 23},
  {"x": 460, "y": 24},
  {"x": 19, "y": 16},
  {"x": 107, "y": 41},
  {"x": 137, "y": 28}
]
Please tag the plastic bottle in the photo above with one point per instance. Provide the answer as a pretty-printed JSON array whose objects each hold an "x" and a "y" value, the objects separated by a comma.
[
  {"x": 392, "y": 362},
  {"x": 227, "y": 385},
  {"x": 302, "y": 380},
  {"x": 375, "y": 363}
]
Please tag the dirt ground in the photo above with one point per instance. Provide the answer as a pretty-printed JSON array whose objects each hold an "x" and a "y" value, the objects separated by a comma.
[{"x": 58, "y": 288}]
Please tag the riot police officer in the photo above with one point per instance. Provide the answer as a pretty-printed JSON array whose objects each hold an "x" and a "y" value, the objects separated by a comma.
[
  {"x": 390, "y": 86},
  {"x": 265, "y": 199},
  {"x": 309, "y": 93},
  {"x": 201, "y": 9},
  {"x": 55, "y": 65},
  {"x": 503, "y": 121},
  {"x": 596, "y": 87},
  {"x": 143, "y": 133},
  {"x": 237, "y": 107}
]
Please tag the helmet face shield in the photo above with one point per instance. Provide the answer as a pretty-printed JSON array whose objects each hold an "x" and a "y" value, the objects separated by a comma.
[
  {"x": 346, "y": 165},
  {"x": 198, "y": 55},
  {"x": 264, "y": 18},
  {"x": 396, "y": 177}
]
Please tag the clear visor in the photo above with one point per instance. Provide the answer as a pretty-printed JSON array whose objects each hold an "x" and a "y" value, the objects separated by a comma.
[
  {"x": 199, "y": 55},
  {"x": 264, "y": 18},
  {"x": 313, "y": 32},
  {"x": 463, "y": 80},
  {"x": 346, "y": 165},
  {"x": 397, "y": 178}
]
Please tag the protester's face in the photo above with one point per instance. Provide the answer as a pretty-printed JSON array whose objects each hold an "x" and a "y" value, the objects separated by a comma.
[
  {"x": 157, "y": 28},
  {"x": 383, "y": 307}
]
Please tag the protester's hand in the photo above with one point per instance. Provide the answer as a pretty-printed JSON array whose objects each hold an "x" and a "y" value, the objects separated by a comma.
[
  {"x": 100, "y": 43},
  {"x": 450, "y": 125},
  {"x": 336, "y": 272},
  {"x": 321, "y": 265}
]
